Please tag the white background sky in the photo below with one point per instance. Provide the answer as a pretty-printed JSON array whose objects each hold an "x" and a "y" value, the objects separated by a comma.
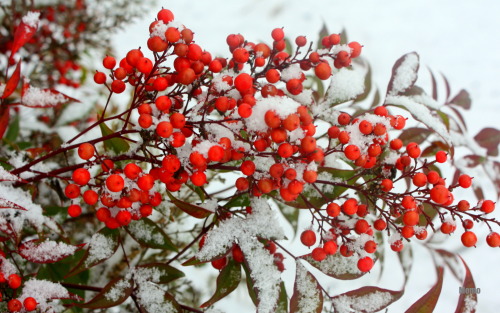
[{"x": 457, "y": 38}]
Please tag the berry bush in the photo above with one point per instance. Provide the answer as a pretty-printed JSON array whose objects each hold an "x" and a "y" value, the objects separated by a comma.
[{"x": 121, "y": 204}]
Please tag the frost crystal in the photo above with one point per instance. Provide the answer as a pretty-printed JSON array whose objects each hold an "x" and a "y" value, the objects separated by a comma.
[{"x": 100, "y": 247}]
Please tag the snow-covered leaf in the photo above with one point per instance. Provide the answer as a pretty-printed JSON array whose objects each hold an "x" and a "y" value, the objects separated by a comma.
[
  {"x": 46, "y": 251},
  {"x": 191, "y": 209},
  {"x": 148, "y": 233},
  {"x": 427, "y": 302},
  {"x": 462, "y": 99},
  {"x": 44, "y": 98},
  {"x": 336, "y": 266},
  {"x": 365, "y": 300},
  {"x": 102, "y": 246},
  {"x": 345, "y": 85},
  {"x": 113, "y": 294},
  {"x": 415, "y": 134},
  {"x": 7, "y": 176},
  {"x": 166, "y": 272},
  {"x": 44, "y": 291},
  {"x": 6, "y": 204},
  {"x": 489, "y": 138},
  {"x": 307, "y": 295},
  {"x": 467, "y": 301},
  {"x": 228, "y": 280},
  {"x": 404, "y": 74}
]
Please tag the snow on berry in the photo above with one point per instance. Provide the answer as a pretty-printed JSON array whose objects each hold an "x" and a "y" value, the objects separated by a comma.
[{"x": 283, "y": 106}]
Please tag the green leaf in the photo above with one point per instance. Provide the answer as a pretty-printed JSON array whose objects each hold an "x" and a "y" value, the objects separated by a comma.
[
  {"x": 13, "y": 130},
  {"x": 282, "y": 306},
  {"x": 427, "y": 302},
  {"x": 322, "y": 33},
  {"x": 252, "y": 292},
  {"x": 241, "y": 200},
  {"x": 113, "y": 294},
  {"x": 227, "y": 281},
  {"x": 118, "y": 145},
  {"x": 306, "y": 292},
  {"x": 191, "y": 209},
  {"x": 445, "y": 118},
  {"x": 167, "y": 272},
  {"x": 356, "y": 299},
  {"x": 148, "y": 233},
  {"x": 111, "y": 236}
]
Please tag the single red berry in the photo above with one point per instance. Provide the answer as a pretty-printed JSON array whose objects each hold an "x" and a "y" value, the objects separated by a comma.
[
  {"x": 81, "y": 176},
  {"x": 318, "y": 254},
  {"x": 72, "y": 191},
  {"x": 469, "y": 239},
  {"x": 465, "y": 181},
  {"x": 308, "y": 238},
  {"x": 219, "y": 264},
  {"x": 118, "y": 86},
  {"x": 352, "y": 152},
  {"x": 323, "y": 71},
  {"x": 109, "y": 62},
  {"x": 380, "y": 224},
  {"x": 99, "y": 78},
  {"x": 115, "y": 183},
  {"x": 493, "y": 239},
  {"x": 441, "y": 157},
  {"x": 14, "y": 305},
  {"x": 370, "y": 246},
  {"x": 350, "y": 206},
  {"x": 278, "y": 34},
  {"x": 488, "y": 206},
  {"x": 123, "y": 217},
  {"x": 330, "y": 247},
  {"x": 14, "y": 281},
  {"x": 365, "y": 264},
  {"x": 30, "y": 303},
  {"x": 86, "y": 151},
  {"x": 74, "y": 210}
]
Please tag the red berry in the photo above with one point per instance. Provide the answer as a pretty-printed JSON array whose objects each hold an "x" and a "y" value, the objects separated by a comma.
[
  {"x": 330, "y": 247},
  {"x": 115, "y": 183},
  {"x": 247, "y": 167},
  {"x": 30, "y": 304},
  {"x": 318, "y": 254},
  {"x": 350, "y": 206},
  {"x": 118, "y": 86},
  {"x": 278, "y": 34},
  {"x": 81, "y": 176},
  {"x": 469, "y": 239},
  {"x": 308, "y": 238},
  {"x": 365, "y": 264},
  {"x": 243, "y": 82},
  {"x": 123, "y": 217},
  {"x": 493, "y": 239},
  {"x": 440, "y": 194},
  {"x": 72, "y": 191},
  {"x": 14, "y": 281},
  {"x": 165, "y": 15},
  {"x": 99, "y": 78},
  {"x": 86, "y": 151},
  {"x": 109, "y": 62},
  {"x": 380, "y": 224},
  {"x": 74, "y": 210},
  {"x": 355, "y": 49},
  {"x": 352, "y": 152},
  {"x": 219, "y": 263},
  {"x": 323, "y": 71},
  {"x": 488, "y": 206},
  {"x": 14, "y": 305},
  {"x": 441, "y": 157},
  {"x": 465, "y": 181}
]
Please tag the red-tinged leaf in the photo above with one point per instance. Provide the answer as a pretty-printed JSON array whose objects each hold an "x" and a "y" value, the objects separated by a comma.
[
  {"x": 148, "y": 233},
  {"x": 191, "y": 209},
  {"x": 46, "y": 251},
  {"x": 307, "y": 294},
  {"x": 6, "y": 204},
  {"x": 404, "y": 74},
  {"x": 4, "y": 119},
  {"x": 427, "y": 302},
  {"x": 434, "y": 85},
  {"x": 44, "y": 98},
  {"x": 113, "y": 294},
  {"x": 452, "y": 262},
  {"x": 366, "y": 299},
  {"x": 447, "y": 86},
  {"x": 169, "y": 304},
  {"x": 415, "y": 134},
  {"x": 106, "y": 239},
  {"x": 22, "y": 35},
  {"x": 13, "y": 81},
  {"x": 192, "y": 261},
  {"x": 8, "y": 176},
  {"x": 227, "y": 281},
  {"x": 336, "y": 266},
  {"x": 460, "y": 117},
  {"x": 473, "y": 160},
  {"x": 467, "y": 301},
  {"x": 462, "y": 99},
  {"x": 406, "y": 259},
  {"x": 167, "y": 273},
  {"x": 489, "y": 138}
]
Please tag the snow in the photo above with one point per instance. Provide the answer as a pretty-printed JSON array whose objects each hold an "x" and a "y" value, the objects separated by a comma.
[
  {"x": 39, "y": 98},
  {"x": 7, "y": 176},
  {"x": 371, "y": 302},
  {"x": 291, "y": 72},
  {"x": 6, "y": 267},
  {"x": 43, "y": 291},
  {"x": 406, "y": 74},
  {"x": 346, "y": 84},
  {"x": 31, "y": 19},
  {"x": 118, "y": 290},
  {"x": 100, "y": 248},
  {"x": 47, "y": 251},
  {"x": 261, "y": 223},
  {"x": 150, "y": 295},
  {"x": 143, "y": 231},
  {"x": 307, "y": 290}
]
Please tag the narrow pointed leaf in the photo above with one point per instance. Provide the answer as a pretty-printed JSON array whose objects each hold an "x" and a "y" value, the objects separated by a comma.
[
  {"x": 307, "y": 294},
  {"x": 167, "y": 272},
  {"x": 113, "y": 294},
  {"x": 404, "y": 74},
  {"x": 427, "y": 302},
  {"x": 116, "y": 144},
  {"x": 462, "y": 99},
  {"x": 13, "y": 81},
  {"x": 467, "y": 301},
  {"x": 366, "y": 299},
  {"x": 227, "y": 281},
  {"x": 336, "y": 266},
  {"x": 4, "y": 119},
  {"x": 47, "y": 251},
  {"x": 489, "y": 138},
  {"x": 191, "y": 209},
  {"x": 148, "y": 233}
]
